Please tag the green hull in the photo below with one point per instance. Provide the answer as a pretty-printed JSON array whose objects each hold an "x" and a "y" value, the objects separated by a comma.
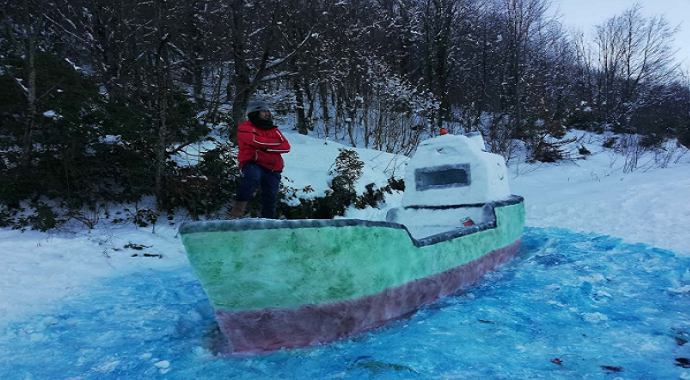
[
  {"x": 290, "y": 284},
  {"x": 255, "y": 264}
]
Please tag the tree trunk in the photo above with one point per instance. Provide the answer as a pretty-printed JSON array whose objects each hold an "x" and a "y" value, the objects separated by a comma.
[
  {"x": 27, "y": 142},
  {"x": 484, "y": 80},
  {"x": 242, "y": 76},
  {"x": 442, "y": 55},
  {"x": 198, "y": 72},
  {"x": 365, "y": 121},
  {"x": 351, "y": 115},
  {"x": 302, "y": 127},
  {"x": 29, "y": 60},
  {"x": 310, "y": 111},
  {"x": 162, "y": 79},
  {"x": 161, "y": 148},
  {"x": 323, "y": 100}
]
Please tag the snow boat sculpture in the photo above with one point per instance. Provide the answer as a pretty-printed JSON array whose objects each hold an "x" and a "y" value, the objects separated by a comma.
[{"x": 295, "y": 283}]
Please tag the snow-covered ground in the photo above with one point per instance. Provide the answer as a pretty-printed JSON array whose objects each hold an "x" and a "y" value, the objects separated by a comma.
[
  {"x": 81, "y": 305},
  {"x": 589, "y": 196}
]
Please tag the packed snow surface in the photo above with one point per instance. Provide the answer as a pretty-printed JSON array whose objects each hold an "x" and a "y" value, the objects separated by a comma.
[{"x": 604, "y": 295}]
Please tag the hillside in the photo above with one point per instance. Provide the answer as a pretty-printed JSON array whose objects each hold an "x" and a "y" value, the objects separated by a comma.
[{"x": 120, "y": 302}]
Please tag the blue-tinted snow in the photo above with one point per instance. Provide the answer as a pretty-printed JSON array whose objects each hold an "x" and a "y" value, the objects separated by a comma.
[{"x": 606, "y": 309}]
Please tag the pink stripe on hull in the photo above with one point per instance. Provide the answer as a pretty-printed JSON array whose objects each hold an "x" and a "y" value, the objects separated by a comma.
[{"x": 270, "y": 329}]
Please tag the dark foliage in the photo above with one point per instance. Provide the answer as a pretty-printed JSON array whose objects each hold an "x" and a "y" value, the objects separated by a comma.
[
  {"x": 87, "y": 151},
  {"x": 583, "y": 151},
  {"x": 381, "y": 74},
  {"x": 205, "y": 189},
  {"x": 684, "y": 136},
  {"x": 550, "y": 151},
  {"x": 610, "y": 142}
]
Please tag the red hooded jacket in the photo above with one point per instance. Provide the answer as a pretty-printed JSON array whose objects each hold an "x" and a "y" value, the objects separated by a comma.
[{"x": 263, "y": 146}]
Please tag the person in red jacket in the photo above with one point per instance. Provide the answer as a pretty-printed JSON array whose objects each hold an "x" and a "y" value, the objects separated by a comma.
[{"x": 261, "y": 145}]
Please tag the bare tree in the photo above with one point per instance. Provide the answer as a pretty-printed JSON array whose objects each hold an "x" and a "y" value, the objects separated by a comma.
[
  {"x": 633, "y": 52},
  {"x": 163, "y": 83},
  {"x": 525, "y": 20},
  {"x": 440, "y": 23},
  {"x": 260, "y": 48}
]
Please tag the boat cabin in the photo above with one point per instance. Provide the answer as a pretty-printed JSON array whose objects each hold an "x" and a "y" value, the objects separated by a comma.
[{"x": 450, "y": 178}]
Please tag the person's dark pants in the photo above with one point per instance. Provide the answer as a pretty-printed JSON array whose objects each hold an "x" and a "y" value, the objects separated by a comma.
[{"x": 254, "y": 175}]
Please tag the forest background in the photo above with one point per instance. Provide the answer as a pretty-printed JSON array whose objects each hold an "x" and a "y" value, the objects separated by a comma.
[{"x": 100, "y": 99}]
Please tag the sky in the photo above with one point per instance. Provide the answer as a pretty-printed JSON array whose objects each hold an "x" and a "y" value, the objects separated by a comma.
[
  {"x": 584, "y": 14},
  {"x": 598, "y": 290}
]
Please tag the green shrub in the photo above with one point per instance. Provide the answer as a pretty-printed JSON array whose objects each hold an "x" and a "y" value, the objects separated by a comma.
[
  {"x": 207, "y": 188},
  {"x": 341, "y": 194}
]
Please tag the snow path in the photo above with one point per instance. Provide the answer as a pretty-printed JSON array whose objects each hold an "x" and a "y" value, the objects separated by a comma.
[{"x": 606, "y": 309}]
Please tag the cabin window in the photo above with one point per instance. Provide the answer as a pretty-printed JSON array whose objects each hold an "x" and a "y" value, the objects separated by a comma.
[{"x": 441, "y": 177}]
